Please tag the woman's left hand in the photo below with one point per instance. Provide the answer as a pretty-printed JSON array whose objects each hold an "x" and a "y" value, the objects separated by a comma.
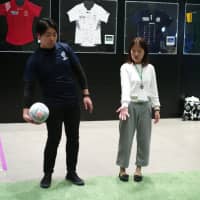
[{"x": 156, "y": 116}]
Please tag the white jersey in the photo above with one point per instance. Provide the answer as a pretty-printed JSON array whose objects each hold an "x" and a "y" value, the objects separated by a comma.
[{"x": 88, "y": 23}]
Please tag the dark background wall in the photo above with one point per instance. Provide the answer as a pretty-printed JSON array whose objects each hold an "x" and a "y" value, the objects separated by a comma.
[{"x": 177, "y": 75}]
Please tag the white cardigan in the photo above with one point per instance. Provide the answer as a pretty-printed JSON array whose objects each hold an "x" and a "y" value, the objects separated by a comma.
[{"x": 131, "y": 82}]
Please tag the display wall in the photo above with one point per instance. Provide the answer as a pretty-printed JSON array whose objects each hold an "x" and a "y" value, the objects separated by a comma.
[{"x": 177, "y": 73}]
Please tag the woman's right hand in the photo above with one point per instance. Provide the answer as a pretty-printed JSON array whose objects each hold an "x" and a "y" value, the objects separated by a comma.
[
  {"x": 26, "y": 115},
  {"x": 123, "y": 113}
]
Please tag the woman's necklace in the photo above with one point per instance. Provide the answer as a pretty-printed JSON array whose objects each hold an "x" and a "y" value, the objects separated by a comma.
[{"x": 140, "y": 75}]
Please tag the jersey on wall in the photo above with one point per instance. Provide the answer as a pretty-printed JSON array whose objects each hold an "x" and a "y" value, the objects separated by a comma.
[
  {"x": 192, "y": 34},
  {"x": 152, "y": 26},
  {"x": 19, "y": 20},
  {"x": 88, "y": 23}
]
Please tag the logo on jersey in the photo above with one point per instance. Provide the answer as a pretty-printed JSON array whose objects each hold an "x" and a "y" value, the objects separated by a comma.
[
  {"x": 25, "y": 12},
  {"x": 145, "y": 19},
  {"x": 14, "y": 12},
  {"x": 157, "y": 19},
  {"x": 63, "y": 55}
]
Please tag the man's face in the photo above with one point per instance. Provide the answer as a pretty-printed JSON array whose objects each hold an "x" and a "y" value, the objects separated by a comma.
[{"x": 48, "y": 39}]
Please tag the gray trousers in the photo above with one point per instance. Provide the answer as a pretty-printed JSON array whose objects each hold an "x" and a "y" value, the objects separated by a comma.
[{"x": 140, "y": 121}]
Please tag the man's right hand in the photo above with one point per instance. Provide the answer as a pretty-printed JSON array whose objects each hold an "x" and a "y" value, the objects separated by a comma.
[{"x": 26, "y": 116}]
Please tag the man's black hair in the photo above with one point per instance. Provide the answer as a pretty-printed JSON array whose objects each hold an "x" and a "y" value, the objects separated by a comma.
[{"x": 45, "y": 23}]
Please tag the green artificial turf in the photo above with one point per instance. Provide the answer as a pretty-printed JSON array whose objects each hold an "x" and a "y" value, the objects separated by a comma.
[{"x": 162, "y": 186}]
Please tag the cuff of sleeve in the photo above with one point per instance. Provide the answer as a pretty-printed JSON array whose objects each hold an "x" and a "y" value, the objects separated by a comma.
[
  {"x": 156, "y": 108},
  {"x": 124, "y": 105},
  {"x": 86, "y": 95},
  {"x": 27, "y": 102}
]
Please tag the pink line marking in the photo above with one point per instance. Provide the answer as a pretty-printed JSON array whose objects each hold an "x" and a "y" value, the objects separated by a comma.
[{"x": 2, "y": 157}]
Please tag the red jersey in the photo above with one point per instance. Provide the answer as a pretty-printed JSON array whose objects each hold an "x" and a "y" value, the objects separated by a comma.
[{"x": 20, "y": 21}]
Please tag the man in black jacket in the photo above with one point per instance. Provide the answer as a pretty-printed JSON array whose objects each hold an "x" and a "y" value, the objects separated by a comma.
[{"x": 55, "y": 66}]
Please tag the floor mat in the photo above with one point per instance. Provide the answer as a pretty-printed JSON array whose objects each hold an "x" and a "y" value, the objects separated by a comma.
[{"x": 162, "y": 186}]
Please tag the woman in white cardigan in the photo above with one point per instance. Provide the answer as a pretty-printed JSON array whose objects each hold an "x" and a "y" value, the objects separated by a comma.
[{"x": 139, "y": 94}]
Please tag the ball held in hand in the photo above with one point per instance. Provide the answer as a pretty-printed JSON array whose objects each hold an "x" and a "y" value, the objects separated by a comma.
[{"x": 39, "y": 112}]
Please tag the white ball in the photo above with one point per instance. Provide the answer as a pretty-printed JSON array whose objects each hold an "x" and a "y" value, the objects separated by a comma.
[{"x": 39, "y": 112}]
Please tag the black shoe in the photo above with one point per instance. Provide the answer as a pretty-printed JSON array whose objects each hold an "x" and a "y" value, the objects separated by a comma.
[
  {"x": 46, "y": 181},
  {"x": 123, "y": 177},
  {"x": 74, "y": 178},
  {"x": 137, "y": 178}
]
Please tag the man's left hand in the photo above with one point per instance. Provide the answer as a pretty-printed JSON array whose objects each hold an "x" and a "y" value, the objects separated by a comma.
[{"x": 88, "y": 105}]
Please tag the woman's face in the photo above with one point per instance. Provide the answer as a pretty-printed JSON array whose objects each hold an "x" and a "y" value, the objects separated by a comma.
[
  {"x": 48, "y": 39},
  {"x": 137, "y": 53}
]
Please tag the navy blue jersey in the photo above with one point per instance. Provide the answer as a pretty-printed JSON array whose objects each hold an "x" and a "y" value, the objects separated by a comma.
[
  {"x": 149, "y": 25},
  {"x": 193, "y": 33},
  {"x": 55, "y": 69}
]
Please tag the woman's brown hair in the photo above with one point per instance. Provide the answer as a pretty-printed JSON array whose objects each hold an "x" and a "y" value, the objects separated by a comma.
[{"x": 142, "y": 43}]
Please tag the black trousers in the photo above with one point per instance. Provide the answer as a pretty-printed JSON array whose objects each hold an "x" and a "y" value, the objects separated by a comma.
[{"x": 70, "y": 116}]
